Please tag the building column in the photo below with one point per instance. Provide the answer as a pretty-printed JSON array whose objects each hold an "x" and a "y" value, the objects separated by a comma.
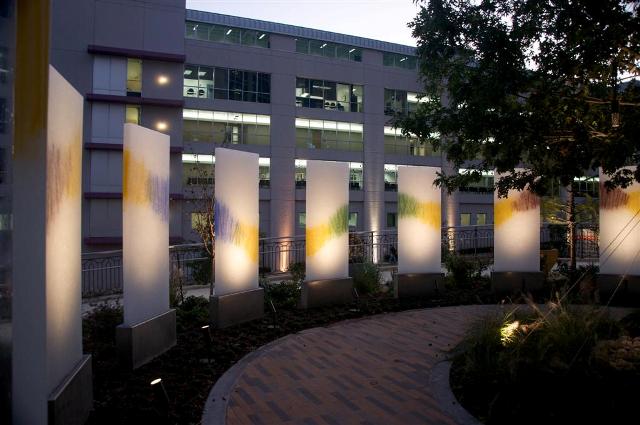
[{"x": 282, "y": 205}]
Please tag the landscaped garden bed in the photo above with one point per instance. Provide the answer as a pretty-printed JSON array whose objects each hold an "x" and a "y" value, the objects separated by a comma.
[
  {"x": 189, "y": 370},
  {"x": 564, "y": 365}
]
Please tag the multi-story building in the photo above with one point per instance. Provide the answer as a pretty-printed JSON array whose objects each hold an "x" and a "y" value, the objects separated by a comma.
[{"x": 288, "y": 93}]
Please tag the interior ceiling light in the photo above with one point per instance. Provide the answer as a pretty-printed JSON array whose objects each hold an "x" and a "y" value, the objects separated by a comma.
[
  {"x": 229, "y": 32},
  {"x": 323, "y": 46},
  {"x": 188, "y": 72},
  {"x": 352, "y": 50},
  {"x": 262, "y": 36}
]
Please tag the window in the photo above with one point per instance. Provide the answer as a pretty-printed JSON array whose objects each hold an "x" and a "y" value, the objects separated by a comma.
[
  {"x": 264, "y": 172},
  {"x": 587, "y": 186},
  {"x": 485, "y": 185},
  {"x": 225, "y": 127},
  {"x": 353, "y": 219},
  {"x": 481, "y": 219},
  {"x": 198, "y": 169},
  {"x": 392, "y": 220},
  {"x": 301, "y": 173},
  {"x": 302, "y": 220},
  {"x": 132, "y": 114},
  {"x": 397, "y": 143},
  {"x": 223, "y": 83},
  {"x": 328, "y": 50},
  {"x": 401, "y": 102},
  {"x": 465, "y": 219},
  {"x": 399, "y": 61},
  {"x": 134, "y": 77},
  {"x": 390, "y": 178},
  {"x": 328, "y": 95},
  {"x": 318, "y": 134},
  {"x": 355, "y": 174},
  {"x": 226, "y": 34},
  {"x": 198, "y": 81}
]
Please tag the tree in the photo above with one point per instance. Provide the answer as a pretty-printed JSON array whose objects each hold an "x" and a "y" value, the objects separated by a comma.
[
  {"x": 201, "y": 195},
  {"x": 548, "y": 84}
]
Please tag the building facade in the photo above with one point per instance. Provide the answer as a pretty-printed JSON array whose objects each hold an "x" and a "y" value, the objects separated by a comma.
[{"x": 288, "y": 93}]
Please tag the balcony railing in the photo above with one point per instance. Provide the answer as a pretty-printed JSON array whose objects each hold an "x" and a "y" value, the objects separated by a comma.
[{"x": 102, "y": 271}]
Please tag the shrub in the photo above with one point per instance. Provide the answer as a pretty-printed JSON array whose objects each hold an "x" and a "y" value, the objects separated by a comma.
[
  {"x": 463, "y": 273},
  {"x": 192, "y": 312},
  {"x": 201, "y": 269},
  {"x": 298, "y": 272},
  {"x": 99, "y": 327},
  {"x": 283, "y": 295},
  {"x": 356, "y": 248},
  {"x": 366, "y": 278}
]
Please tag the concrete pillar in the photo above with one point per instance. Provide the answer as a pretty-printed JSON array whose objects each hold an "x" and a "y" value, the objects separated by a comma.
[
  {"x": 374, "y": 120},
  {"x": 283, "y": 146}
]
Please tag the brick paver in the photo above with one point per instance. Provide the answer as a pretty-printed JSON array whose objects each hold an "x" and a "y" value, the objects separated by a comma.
[{"x": 369, "y": 371}]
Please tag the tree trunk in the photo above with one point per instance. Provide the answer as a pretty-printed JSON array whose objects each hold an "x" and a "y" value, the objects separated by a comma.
[
  {"x": 213, "y": 276},
  {"x": 571, "y": 220}
]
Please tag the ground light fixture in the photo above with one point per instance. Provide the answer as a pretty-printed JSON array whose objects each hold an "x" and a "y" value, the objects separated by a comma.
[
  {"x": 160, "y": 397},
  {"x": 206, "y": 331}
]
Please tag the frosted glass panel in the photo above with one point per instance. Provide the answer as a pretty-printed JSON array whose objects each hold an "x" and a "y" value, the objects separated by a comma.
[
  {"x": 620, "y": 229},
  {"x": 236, "y": 221},
  {"x": 145, "y": 222},
  {"x": 516, "y": 232},
  {"x": 419, "y": 220},
  {"x": 327, "y": 215},
  {"x": 63, "y": 218}
]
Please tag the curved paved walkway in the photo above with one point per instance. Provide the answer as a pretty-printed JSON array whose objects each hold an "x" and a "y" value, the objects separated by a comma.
[{"x": 374, "y": 370}]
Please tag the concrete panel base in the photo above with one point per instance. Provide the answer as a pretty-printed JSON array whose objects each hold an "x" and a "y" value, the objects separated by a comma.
[
  {"x": 71, "y": 402},
  {"x": 233, "y": 309},
  {"x": 607, "y": 284},
  {"x": 417, "y": 284},
  {"x": 515, "y": 282},
  {"x": 141, "y": 343},
  {"x": 319, "y": 293}
]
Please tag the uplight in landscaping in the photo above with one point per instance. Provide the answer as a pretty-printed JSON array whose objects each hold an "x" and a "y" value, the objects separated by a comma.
[{"x": 508, "y": 331}]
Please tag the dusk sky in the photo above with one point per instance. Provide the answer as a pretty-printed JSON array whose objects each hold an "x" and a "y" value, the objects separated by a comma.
[{"x": 379, "y": 19}]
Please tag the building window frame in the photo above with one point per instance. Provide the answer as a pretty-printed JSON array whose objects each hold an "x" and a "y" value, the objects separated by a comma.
[
  {"x": 396, "y": 60},
  {"x": 390, "y": 178},
  {"x": 336, "y": 135},
  {"x": 227, "y": 34},
  {"x": 328, "y": 49},
  {"x": 330, "y": 95},
  {"x": 226, "y": 84},
  {"x": 226, "y": 128},
  {"x": 396, "y": 143},
  {"x": 134, "y": 77},
  {"x": 356, "y": 175}
]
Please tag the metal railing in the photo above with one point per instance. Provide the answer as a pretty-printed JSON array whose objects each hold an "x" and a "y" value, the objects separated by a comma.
[{"x": 102, "y": 271}]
